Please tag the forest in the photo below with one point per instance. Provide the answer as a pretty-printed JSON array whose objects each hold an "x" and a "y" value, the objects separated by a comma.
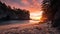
[{"x": 7, "y": 13}]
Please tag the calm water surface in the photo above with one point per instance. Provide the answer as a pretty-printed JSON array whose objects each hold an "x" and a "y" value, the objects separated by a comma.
[{"x": 18, "y": 22}]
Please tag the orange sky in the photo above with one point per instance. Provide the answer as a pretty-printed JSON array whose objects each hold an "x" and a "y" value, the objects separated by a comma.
[{"x": 31, "y": 5}]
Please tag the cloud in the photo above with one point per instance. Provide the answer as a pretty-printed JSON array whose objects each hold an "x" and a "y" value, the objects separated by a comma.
[{"x": 31, "y": 5}]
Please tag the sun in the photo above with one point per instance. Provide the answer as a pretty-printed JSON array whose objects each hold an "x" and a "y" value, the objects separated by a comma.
[{"x": 36, "y": 16}]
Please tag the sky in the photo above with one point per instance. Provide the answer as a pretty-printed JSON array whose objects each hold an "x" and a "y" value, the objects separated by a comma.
[{"x": 33, "y": 6}]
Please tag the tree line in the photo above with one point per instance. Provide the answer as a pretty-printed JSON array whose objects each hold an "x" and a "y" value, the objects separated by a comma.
[{"x": 7, "y": 13}]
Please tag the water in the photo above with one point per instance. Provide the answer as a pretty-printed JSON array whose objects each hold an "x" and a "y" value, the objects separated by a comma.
[{"x": 18, "y": 22}]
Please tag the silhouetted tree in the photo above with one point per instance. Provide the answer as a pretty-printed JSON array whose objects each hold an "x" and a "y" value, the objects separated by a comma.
[
  {"x": 7, "y": 13},
  {"x": 55, "y": 4},
  {"x": 46, "y": 7},
  {"x": 52, "y": 11}
]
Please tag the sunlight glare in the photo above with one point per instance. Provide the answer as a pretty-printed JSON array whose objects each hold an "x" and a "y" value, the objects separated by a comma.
[{"x": 36, "y": 16}]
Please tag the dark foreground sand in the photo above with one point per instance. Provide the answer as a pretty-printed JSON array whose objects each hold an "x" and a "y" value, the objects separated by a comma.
[{"x": 27, "y": 29}]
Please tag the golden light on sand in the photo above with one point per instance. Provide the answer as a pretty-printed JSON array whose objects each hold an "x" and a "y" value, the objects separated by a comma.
[{"x": 36, "y": 16}]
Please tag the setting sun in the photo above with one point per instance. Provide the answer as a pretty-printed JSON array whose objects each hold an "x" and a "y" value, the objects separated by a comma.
[{"x": 36, "y": 16}]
